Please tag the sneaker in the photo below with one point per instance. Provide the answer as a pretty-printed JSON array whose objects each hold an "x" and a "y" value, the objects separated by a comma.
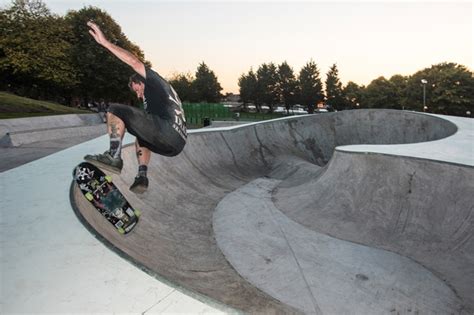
[
  {"x": 140, "y": 185},
  {"x": 106, "y": 161}
]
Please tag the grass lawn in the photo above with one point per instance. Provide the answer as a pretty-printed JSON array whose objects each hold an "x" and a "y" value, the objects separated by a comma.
[{"x": 13, "y": 106}]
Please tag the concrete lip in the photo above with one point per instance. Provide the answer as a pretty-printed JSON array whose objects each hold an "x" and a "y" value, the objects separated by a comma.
[{"x": 457, "y": 149}]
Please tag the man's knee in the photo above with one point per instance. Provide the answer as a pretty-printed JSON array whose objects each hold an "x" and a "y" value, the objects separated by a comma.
[
  {"x": 112, "y": 116},
  {"x": 114, "y": 119}
]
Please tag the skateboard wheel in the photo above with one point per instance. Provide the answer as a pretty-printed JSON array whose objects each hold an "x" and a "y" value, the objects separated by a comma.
[
  {"x": 121, "y": 230},
  {"x": 108, "y": 179},
  {"x": 137, "y": 212},
  {"x": 89, "y": 196}
]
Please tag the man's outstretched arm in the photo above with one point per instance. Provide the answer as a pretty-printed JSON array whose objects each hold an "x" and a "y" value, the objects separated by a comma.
[{"x": 122, "y": 54}]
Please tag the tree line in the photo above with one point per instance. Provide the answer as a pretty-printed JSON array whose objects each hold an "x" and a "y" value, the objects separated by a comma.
[
  {"x": 445, "y": 88},
  {"x": 51, "y": 57}
]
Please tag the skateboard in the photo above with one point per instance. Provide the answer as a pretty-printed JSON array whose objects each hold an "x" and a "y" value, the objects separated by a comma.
[{"x": 99, "y": 190}]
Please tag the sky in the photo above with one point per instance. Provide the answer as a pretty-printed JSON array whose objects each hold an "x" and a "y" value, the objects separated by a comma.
[{"x": 365, "y": 39}]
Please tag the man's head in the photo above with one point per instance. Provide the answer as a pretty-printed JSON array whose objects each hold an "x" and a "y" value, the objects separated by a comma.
[{"x": 137, "y": 84}]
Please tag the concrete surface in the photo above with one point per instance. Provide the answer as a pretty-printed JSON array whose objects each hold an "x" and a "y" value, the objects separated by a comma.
[
  {"x": 23, "y": 140},
  {"x": 314, "y": 272},
  {"x": 412, "y": 215},
  {"x": 456, "y": 150},
  {"x": 348, "y": 222},
  {"x": 48, "y": 122},
  {"x": 50, "y": 264}
]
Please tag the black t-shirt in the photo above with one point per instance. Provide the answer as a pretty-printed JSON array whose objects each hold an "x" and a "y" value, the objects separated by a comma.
[{"x": 162, "y": 100}]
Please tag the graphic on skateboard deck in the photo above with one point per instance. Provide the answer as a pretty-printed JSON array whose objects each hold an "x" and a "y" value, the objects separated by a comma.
[{"x": 99, "y": 190}]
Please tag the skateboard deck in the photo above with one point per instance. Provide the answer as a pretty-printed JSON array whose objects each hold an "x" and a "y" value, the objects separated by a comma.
[{"x": 107, "y": 199}]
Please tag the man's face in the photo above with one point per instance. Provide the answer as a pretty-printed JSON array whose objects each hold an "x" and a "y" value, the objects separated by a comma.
[{"x": 139, "y": 89}]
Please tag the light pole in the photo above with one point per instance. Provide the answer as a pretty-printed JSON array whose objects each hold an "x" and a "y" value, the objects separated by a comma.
[{"x": 423, "y": 81}]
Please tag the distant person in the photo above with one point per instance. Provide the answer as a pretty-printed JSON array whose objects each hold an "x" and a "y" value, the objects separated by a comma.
[
  {"x": 160, "y": 127},
  {"x": 102, "y": 109}
]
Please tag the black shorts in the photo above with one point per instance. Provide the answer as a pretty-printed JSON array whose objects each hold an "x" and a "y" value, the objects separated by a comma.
[{"x": 152, "y": 131}]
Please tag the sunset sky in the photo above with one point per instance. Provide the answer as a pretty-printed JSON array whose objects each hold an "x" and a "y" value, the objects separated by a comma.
[{"x": 365, "y": 39}]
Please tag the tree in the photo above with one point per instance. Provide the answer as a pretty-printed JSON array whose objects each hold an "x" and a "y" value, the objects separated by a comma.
[
  {"x": 248, "y": 87},
  {"x": 101, "y": 74},
  {"x": 35, "y": 51},
  {"x": 206, "y": 87},
  {"x": 182, "y": 83},
  {"x": 310, "y": 86},
  {"x": 287, "y": 85},
  {"x": 383, "y": 93},
  {"x": 354, "y": 94},
  {"x": 397, "y": 94},
  {"x": 334, "y": 93},
  {"x": 450, "y": 89},
  {"x": 267, "y": 90},
  {"x": 377, "y": 94}
]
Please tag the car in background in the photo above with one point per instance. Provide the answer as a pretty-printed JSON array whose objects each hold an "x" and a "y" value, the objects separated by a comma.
[
  {"x": 298, "y": 110},
  {"x": 294, "y": 110},
  {"x": 320, "y": 110},
  {"x": 280, "y": 110}
]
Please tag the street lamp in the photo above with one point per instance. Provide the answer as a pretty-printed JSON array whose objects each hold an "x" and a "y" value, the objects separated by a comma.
[{"x": 423, "y": 81}]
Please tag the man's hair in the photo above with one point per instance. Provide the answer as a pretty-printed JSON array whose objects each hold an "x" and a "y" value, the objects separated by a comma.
[{"x": 135, "y": 78}]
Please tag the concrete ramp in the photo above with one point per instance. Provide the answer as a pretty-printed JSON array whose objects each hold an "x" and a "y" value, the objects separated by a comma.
[
  {"x": 23, "y": 131},
  {"x": 393, "y": 232},
  {"x": 314, "y": 272}
]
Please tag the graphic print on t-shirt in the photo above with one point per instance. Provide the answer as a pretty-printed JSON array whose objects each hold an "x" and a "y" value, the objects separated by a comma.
[
  {"x": 145, "y": 104},
  {"x": 179, "y": 123}
]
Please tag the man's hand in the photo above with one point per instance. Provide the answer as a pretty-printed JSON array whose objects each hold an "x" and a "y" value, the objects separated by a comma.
[
  {"x": 97, "y": 33},
  {"x": 122, "y": 54}
]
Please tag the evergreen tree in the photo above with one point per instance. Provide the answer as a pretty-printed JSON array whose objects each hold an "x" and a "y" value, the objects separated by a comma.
[
  {"x": 334, "y": 93},
  {"x": 267, "y": 86},
  {"x": 248, "y": 87},
  {"x": 206, "y": 87},
  {"x": 287, "y": 85},
  {"x": 310, "y": 86}
]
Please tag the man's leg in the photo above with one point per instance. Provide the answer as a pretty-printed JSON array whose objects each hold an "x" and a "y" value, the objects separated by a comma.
[
  {"x": 111, "y": 160},
  {"x": 116, "y": 130},
  {"x": 143, "y": 154},
  {"x": 140, "y": 184}
]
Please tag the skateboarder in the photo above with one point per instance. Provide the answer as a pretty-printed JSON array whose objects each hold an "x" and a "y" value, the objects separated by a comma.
[{"x": 159, "y": 128}]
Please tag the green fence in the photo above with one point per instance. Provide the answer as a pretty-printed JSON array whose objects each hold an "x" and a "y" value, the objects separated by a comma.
[{"x": 197, "y": 113}]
